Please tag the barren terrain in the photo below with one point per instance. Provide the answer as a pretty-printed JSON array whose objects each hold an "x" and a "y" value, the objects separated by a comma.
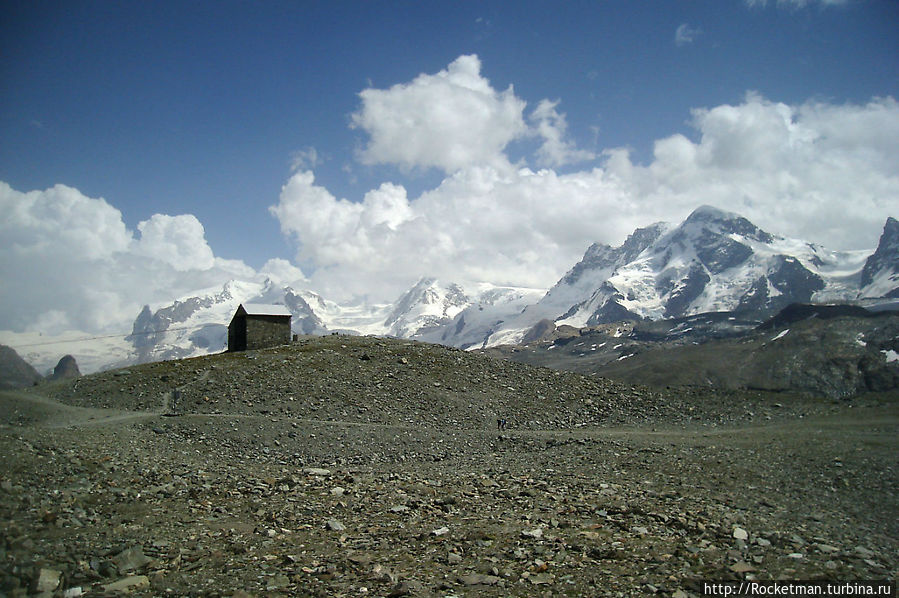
[{"x": 342, "y": 466}]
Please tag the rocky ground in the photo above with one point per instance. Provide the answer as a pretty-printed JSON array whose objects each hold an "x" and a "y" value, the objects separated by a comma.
[{"x": 346, "y": 466}]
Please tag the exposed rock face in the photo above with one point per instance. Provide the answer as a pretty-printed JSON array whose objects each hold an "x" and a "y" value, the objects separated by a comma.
[
  {"x": 304, "y": 320},
  {"x": 426, "y": 305},
  {"x": 15, "y": 372},
  {"x": 605, "y": 257},
  {"x": 541, "y": 330},
  {"x": 66, "y": 368},
  {"x": 836, "y": 351},
  {"x": 880, "y": 276}
]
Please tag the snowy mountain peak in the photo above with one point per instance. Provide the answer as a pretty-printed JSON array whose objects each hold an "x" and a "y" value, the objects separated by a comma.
[
  {"x": 601, "y": 257},
  {"x": 427, "y": 304},
  {"x": 716, "y": 221},
  {"x": 713, "y": 261}
]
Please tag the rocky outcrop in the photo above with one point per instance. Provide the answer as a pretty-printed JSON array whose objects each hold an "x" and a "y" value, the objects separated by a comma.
[
  {"x": 66, "y": 368},
  {"x": 880, "y": 276}
]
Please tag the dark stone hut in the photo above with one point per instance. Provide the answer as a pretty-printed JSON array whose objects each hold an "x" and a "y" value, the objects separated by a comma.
[{"x": 255, "y": 326}]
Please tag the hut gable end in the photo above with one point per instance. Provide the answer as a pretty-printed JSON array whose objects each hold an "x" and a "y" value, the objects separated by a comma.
[{"x": 256, "y": 326}]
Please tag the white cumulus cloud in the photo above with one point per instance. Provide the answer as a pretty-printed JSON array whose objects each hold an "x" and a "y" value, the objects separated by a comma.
[
  {"x": 557, "y": 149},
  {"x": 281, "y": 271},
  {"x": 179, "y": 241},
  {"x": 449, "y": 120},
  {"x": 455, "y": 119},
  {"x": 69, "y": 262}
]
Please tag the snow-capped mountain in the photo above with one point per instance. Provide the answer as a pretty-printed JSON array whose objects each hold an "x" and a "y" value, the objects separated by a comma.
[
  {"x": 449, "y": 314},
  {"x": 198, "y": 324},
  {"x": 476, "y": 314},
  {"x": 427, "y": 305},
  {"x": 713, "y": 261},
  {"x": 430, "y": 310}
]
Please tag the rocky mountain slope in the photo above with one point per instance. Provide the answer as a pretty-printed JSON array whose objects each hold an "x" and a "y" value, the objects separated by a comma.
[
  {"x": 880, "y": 276},
  {"x": 360, "y": 466},
  {"x": 15, "y": 372},
  {"x": 830, "y": 351}
]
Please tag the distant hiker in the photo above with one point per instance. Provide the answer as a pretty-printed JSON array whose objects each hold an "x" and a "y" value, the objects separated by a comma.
[
  {"x": 499, "y": 424},
  {"x": 176, "y": 396}
]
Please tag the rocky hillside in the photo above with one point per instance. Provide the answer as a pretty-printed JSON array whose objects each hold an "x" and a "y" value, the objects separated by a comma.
[
  {"x": 15, "y": 372},
  {"x": 383, "y": 381},
  {"x": 362, "y": 466},
  {"x": 819, "y": 350}
]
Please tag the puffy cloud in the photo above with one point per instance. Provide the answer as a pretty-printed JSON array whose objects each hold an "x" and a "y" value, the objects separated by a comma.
[
  {"x": 280, "y": 271},
  {"x": 552, "y": 126},
  {"x": 74, "y": 223},
  {"x": 449, "y": 120},
  {"x": 178, "y": 241},
  {"x": 686, "y": 34},
  {"x": 454, "y": 120},
  {"x": 820, "y": 172},
  {"x": 305, "y": 159},
  {"x": 481, "y": 223},
  {"x": 70, "y": 262}
]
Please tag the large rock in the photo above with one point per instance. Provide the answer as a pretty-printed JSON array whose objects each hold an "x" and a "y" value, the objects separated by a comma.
[{"x": 66, "y": 368}]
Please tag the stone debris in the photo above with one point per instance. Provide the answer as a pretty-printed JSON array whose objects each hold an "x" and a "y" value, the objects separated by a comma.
[
  {"x": 128, "y": 584},
  {"x": 334, "y": 525},
  {"x": 131, "y": 559},
  {"x": 373, "y": 481},
  {"x": 47, "y": 580}
]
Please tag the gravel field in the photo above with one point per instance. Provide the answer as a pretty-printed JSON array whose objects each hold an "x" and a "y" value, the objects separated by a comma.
[{"x": 347, "y": 466}]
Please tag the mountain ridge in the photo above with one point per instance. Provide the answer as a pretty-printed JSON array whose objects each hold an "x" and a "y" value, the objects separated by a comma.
[{"x": 714, "y": 260}]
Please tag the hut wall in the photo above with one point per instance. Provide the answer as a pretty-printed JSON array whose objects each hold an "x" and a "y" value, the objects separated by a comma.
[{"x": 267, "y": 331}]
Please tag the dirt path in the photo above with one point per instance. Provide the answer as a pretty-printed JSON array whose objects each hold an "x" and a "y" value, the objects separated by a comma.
[{"x": 21, "y": 408}]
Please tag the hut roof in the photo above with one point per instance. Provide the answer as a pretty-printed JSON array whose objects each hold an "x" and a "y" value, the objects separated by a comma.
[{"x": 262, "y": 309}]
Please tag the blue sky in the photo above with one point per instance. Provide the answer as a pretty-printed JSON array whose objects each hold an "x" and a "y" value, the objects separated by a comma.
[{"x": 210, "y": 108}]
